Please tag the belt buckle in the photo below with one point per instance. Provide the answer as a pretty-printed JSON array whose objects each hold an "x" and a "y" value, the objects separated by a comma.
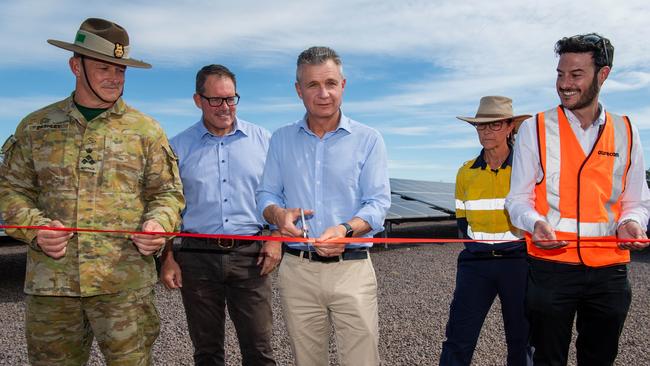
[
  {"x": 226, "y": 243},
  {"x": 495, "y": 254}
]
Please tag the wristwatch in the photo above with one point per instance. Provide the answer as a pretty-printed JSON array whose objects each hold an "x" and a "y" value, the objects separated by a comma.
[{"x": 348, "y": 230}]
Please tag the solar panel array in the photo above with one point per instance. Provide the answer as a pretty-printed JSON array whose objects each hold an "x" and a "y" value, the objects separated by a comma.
[{"x": 421, "y": 200}]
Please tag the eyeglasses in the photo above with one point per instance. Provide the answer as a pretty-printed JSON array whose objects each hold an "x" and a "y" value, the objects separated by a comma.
[
  {"x": 595, "y": 40},
  {"x": 494, "y": 126},
  {"x": 218, "y": 101}
]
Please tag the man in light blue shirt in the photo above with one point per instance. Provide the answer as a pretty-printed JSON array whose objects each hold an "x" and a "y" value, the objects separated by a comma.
[
  {"x": 221, "y": 159},
  {"x": 335, "y": 169}
]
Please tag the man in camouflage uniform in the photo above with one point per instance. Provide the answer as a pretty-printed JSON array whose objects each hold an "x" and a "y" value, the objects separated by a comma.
[{"x": 91, "y": 161}]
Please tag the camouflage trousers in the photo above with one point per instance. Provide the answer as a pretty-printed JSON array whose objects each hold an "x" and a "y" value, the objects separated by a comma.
[{"x": 60, "y": 329}]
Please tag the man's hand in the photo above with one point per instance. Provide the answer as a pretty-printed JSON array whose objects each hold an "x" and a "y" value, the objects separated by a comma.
[
  {"x": 270, "y": 256},
  {"x": 544, "y": 236},
  {"x": 325, "y": 249},
  {"x": 148, "y": 244},
  {"x": 631, "y": 230},
  {"x": 53, "y": 243},
  {"x": 170, "y": 273},
  {"x": 285, "y": 219}
]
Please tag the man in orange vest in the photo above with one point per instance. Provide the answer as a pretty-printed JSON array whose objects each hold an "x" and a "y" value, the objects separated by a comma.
[{"x": 578, "y": 187}]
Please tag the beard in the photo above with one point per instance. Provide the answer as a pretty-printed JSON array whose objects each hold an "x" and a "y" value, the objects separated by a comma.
[{"x": 588, "y": 97}]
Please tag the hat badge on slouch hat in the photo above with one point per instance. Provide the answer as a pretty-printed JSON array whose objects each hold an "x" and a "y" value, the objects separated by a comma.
[
  {"x": 103, "y": 40},
  {"x": 495, "y": 108},
  {"x": 118, "y": 51}
]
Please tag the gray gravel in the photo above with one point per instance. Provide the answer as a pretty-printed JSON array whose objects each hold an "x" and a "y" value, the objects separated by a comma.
[{"x": 415, "y": 289}]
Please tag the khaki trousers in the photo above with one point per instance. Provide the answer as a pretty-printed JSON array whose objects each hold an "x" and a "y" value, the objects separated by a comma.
[{"x": 316, "y": 296}]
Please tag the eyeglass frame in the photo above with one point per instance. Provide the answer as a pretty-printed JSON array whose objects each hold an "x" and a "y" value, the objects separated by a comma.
[
  {"x": 484, "y": 126},
  {"x": 595, "y": 39},
  {"x": 221, "y": 100}
]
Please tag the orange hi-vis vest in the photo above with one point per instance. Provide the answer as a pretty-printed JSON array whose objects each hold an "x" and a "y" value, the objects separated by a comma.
[{"x": 580, "y": 195}]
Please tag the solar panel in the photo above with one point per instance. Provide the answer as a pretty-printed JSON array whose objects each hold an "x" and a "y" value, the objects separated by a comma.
[
  {"x": 437, "y": 194},
  {"x": 405, "y": 210}
]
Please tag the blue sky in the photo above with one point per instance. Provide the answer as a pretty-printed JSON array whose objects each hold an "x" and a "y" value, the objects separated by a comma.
[{"x": 411, "y": 66}]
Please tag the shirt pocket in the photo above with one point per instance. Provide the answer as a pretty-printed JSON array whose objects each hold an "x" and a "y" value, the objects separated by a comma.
[
  {"x": 123, "y": 164},
  {"x": 49, "y": 148}
]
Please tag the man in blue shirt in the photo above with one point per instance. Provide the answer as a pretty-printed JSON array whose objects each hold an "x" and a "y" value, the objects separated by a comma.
[
  {"x": 221, "y": 159},
  {"x": 335, "y": 169}
]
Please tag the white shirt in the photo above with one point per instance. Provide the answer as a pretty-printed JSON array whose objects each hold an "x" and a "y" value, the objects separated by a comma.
[{"x": 527, "y": 170}]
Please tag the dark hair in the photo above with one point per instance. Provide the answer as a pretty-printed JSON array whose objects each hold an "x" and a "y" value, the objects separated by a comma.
[
  {"x": 600, "y": 47},
  {"x": 316, "y": 56},
  {"x": 218, "y": 70}
]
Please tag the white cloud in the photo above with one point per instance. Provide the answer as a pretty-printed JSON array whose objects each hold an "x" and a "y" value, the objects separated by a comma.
[
  {"x": 641, "y": 118},
  {"x": 406, "y": 131},
  {"x": 474, "y": 48},
  {"x": 422, "y": 170},
  {"x": 15, "y": 108},
  {"x": 478, "y": 47},
  {"x": 465, "y": 143},
  {"x": 273, "y": 105},
  {"x": 173, "y": 107},
  {"x": 628, "y": 81},
  {"x": 472, "y": 37}
]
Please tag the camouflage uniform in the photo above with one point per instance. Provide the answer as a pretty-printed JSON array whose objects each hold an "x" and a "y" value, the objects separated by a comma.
[{"x": 114, "y": 172}]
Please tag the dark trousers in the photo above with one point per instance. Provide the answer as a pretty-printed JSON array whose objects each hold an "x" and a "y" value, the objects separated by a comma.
[
  {"x": 479, "y": 279},
  {"x": 212, "y": 279},
  {"x": 557, "y": 292}
]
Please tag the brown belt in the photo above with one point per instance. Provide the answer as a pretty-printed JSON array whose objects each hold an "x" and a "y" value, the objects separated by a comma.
[{"x": 211, "y": 243}]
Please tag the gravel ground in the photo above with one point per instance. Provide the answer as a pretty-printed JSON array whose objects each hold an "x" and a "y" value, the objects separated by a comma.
[{"x": 415, "y": 288}]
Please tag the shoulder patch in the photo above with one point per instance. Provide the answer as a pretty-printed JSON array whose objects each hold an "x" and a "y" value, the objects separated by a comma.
[{"x": 9, "y": 144}]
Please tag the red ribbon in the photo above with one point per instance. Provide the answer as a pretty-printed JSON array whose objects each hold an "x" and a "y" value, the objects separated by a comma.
[{"x": 293, "y": 239}]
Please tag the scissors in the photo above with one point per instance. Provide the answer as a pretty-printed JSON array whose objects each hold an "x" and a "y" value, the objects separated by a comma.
[{"x": 305, "y": 229}]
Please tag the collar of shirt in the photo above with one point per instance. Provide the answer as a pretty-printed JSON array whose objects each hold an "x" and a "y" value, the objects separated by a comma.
[
  {"x": 573, "y": 119},
  {"x": 481, "y": 163},
  {"x": 344, "y": 124},
  {"x": 118, "y": 108}
]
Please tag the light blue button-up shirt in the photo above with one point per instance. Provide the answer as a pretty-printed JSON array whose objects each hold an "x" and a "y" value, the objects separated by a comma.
[
  {"x": 220, "y": 175},
  {"x": 342, "y": 175}
]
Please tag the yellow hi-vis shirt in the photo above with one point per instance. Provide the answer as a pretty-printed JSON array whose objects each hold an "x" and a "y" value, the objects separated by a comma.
[{"x": 480, "y": 199}]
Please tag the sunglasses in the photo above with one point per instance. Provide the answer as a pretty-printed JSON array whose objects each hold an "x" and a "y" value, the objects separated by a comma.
[
  {"x": 595, "y": 40},
  {"x": 494, "y": 126}
]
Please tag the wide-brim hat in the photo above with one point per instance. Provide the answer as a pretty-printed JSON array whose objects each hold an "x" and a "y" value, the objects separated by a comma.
[
  {"x": 102, "y": 40},
  {"x": 495, "y": 108}
]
